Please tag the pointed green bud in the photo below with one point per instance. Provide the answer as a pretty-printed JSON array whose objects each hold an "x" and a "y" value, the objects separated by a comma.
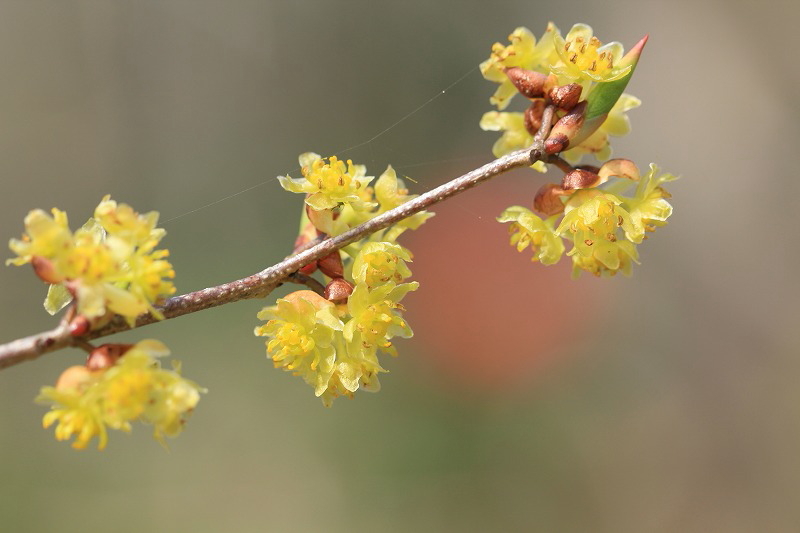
[{"x": 604, "y": 95}]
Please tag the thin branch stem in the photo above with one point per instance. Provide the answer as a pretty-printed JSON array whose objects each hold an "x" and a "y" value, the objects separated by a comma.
[
  {"x": 262, "y": 283},
  {"x": 562, "y": 165},
  {"x": 308, "y": 281}
]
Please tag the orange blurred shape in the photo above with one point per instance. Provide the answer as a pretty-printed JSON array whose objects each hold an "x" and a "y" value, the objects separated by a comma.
[{"x": 485, "y": 315}]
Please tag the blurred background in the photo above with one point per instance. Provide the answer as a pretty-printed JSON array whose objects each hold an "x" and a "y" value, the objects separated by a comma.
[{"x": 667, "y": 401}]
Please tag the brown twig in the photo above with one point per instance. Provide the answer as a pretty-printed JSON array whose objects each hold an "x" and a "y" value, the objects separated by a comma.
[
  {"x": 308, "y": 281},
  {"x": 562, "y": 165}
]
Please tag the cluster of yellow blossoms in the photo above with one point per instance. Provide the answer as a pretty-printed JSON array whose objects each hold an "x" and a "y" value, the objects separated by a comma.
[
  {"x": 583, "y": 81},
  {"x": 110, "y": 266},
  {"x": 332, "y": 341},
  {"x": 579, "y": 58},
  {"x": 118, "y": 385},
  {"x": 603, "y": 226}
]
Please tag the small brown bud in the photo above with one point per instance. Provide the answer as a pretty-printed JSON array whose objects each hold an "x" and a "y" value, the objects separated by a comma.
[
  {"x": 331, "y": 265},
  {"x": 73, "y": 377},
  {"x": 338, "y": 290},
  {"x": 45, "y": 270},
  {"x": 550, "y": 83},
  {"x": 106, "y": 356},
  {"x": 565, "y": 129},
  {"x": 621, "y": 168},
  {"x": 556, "y": 143},
  {"x": 580, "y": 179},
  {"x": 528, "y": 82},
  {"x": 590, "y": 168},
  {"x": 308, "y": 296},
  {"x": 322, "y": 220},
  {"x": 548, "y": 199},
  {"x": 565, "y": 96},
  {"x": 79, "y": 326},
  {"x": 308, "y": 269},
  {"x": 533, "y": 116},
  {"x": 301, "y": 241}
]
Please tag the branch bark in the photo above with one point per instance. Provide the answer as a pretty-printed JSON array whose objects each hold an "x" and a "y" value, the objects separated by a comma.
[{"x": 262, "y": 283}]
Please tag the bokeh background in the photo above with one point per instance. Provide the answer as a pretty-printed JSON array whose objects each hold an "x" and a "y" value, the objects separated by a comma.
[{"x": 668, "y": 401}]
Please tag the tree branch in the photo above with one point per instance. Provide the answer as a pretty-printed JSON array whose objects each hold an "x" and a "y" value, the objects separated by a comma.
[{"x": 261, "y": 284}]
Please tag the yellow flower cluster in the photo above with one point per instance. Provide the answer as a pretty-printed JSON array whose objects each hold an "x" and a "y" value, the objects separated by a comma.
[
  {"x": 603, "y": 225},
  {"x": 86, "y": 402},
  {"x": 577, "y": 58},
  {"x": 334, "y": 348},
  {"x": 333, "y": 344},
  {"x": 109, "y": 264}
]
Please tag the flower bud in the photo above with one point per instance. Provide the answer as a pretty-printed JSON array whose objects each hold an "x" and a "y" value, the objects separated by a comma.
[
  {"x": 548, "y": 199},
  {"x": 309, "y": 296},
  {"x": 565, "y": 129},
  {"x": 331, "y": 265},
  {"x": 565, "y": 96},
  {"x": 338, "y": 290},
  {"x": 79, "y": 326},
  {"x": 73, "y": 378},
  {"x": 308, "y": 269},
  {"x": 45, "y": 269},
  {"x": 580, "y": 179},
  {"x": 621, "y": 168},
  {"x": 533, "y": 116},
  {"x": 106, "y": 356},
  {"x": 321, "y": 219},
  {"x": 528, "y": 82}
]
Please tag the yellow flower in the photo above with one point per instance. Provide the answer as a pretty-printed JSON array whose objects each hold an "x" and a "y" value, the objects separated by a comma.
[
  {"x": 391, "y": 192},
  {"x": 523, "y": 52},
  {"x": 135, "y": 388},
  {"x": 302, "y": 330},
  {"x": 593, "y": 221},
  {"x": 388, "y": 192},
  {"x": 45, "y": 236},
  {"x": 585, "y": 58},
  {"x": 120, "y": 220},
  {"x": 527, "y": 229},
  {"x": 77, "y": 412},
  {"x": 307, "y": 339},
  {"x": 649, "y": 207},
  {"x": 380, "y": 262},
  {"x": 328, "y": 184},
  {"x": 375, "y": 317},
  {"x": 109, "y": 264},
  {"x": 609, "y": 259}
]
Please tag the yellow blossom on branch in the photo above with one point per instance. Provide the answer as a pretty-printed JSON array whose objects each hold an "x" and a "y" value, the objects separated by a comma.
[
  {"x": 328, "y": 184},
  {"x": 527, "y": 229},
  {"x": 584, "y": 57},
  {"x": 86, "y": 402},
  {"x": 109, "y": 264}
]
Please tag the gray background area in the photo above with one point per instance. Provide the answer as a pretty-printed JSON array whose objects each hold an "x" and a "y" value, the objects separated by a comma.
[{"x": 663, "y": 402}]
